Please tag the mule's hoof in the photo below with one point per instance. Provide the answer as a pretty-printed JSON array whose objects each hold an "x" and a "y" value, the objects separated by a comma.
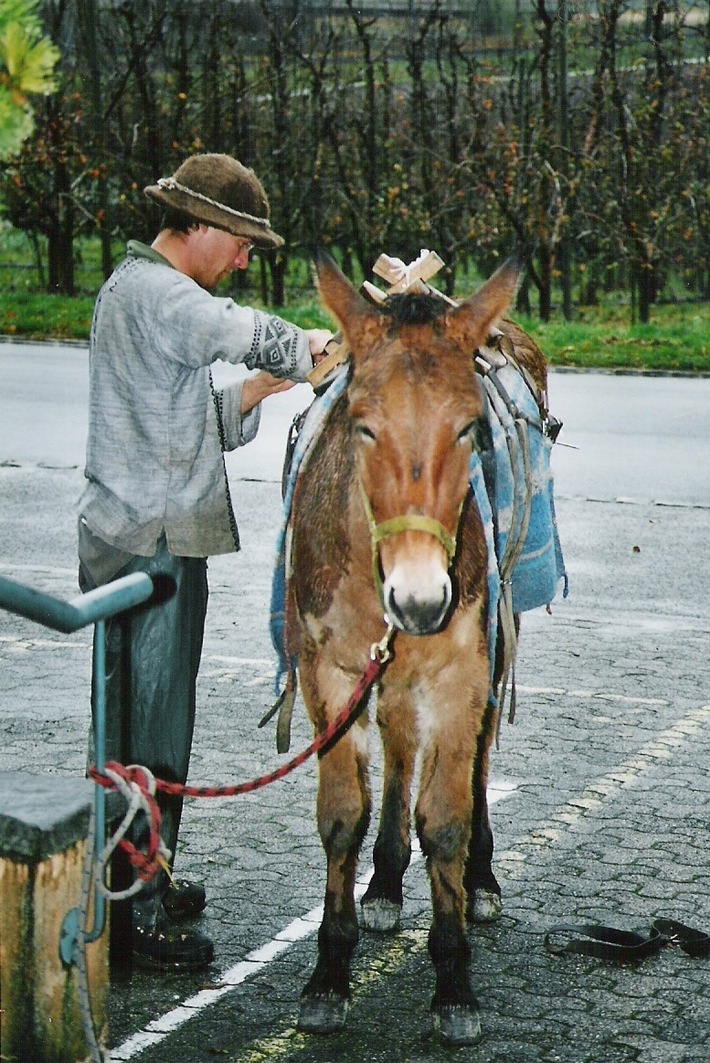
[
  {"x": 381, "y": 915},
  {"x": 486, "y": 908},
  {"x": 457, "y": 1025},
  {"x": 322, "y": 1014}
]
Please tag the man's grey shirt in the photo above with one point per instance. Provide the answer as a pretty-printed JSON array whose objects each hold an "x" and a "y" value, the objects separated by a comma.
[{"x": 154, "y": 461}]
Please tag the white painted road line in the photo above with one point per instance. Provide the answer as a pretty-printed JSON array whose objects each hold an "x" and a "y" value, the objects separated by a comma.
[
  {"x": 606, "y": 788},
  {"x": 596, "y": 695}
]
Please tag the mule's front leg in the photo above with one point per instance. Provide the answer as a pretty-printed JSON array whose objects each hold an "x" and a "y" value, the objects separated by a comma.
[
  {"x": 443, "y": 823},
  {"x": 382, "y": 903},
  {"x": 343, "y": 817}
]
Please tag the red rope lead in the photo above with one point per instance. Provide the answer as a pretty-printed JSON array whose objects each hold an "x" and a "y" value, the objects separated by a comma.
[{"x": 379, "y": 656}]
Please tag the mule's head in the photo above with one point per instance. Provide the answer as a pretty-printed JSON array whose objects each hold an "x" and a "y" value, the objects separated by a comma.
[{"x": 414, "y": 401}]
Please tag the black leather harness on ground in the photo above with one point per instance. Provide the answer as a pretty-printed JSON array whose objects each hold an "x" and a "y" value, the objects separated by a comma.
[{"x": 624, "y": 946}]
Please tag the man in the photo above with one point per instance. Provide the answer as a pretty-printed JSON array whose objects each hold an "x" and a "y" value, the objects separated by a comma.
[{"x": 156, "y": 499}]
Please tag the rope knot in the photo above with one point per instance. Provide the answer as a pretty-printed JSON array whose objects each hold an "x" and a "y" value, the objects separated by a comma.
[{"x": 138, "y": 787}]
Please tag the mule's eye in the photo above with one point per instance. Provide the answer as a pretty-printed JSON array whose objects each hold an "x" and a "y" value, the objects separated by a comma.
[
  {"x": 466, "y": 433},
  {"x": 365, "y": 433}
]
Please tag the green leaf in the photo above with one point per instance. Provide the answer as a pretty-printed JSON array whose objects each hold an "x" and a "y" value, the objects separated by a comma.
[
  {"x": 16, "y": 124},
  {"x": 29, "y": 60},
  {"x": 18, "y": 11}
]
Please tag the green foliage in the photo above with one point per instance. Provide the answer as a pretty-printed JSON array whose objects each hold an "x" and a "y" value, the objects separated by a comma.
[
  {"x": 308, "y": 314},
  {"x": 678, "y": 340},
  {"x": 443, "y": 130},
  {"x": 32, "y": 315},
  {"x": 27, "y": 61}
]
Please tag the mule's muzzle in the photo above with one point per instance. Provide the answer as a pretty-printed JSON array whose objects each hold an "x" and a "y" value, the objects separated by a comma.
[{"x": 417, "y": 610}]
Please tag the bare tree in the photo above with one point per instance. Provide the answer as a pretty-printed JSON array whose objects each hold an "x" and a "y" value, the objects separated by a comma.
[{"x": 372, "y": 134}]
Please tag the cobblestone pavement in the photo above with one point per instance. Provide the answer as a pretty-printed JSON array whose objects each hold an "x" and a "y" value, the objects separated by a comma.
[{"x": 604, "y": 817}]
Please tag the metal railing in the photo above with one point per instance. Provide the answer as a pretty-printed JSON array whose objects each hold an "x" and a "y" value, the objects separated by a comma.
[{"x": 94, "y": 607}]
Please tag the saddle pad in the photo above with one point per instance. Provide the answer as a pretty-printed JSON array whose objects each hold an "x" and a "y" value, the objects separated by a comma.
[
  {"x": 307, "y": 437},
  {"x": 510, "y": 470},
  {"x": 520, "y": 487}
]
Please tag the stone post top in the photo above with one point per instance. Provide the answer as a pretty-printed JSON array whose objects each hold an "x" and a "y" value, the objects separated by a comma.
[{"x": 41, "y": 815}]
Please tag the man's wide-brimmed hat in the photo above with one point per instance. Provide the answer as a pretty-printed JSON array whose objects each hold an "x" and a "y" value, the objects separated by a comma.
[{"x": 218, "y": 191}]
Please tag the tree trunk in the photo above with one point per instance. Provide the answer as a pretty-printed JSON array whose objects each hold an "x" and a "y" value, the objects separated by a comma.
[
  {"x": 545, "y": 284},
  {"x": 646, "y": 281},
  {"x": 565, "y": 252},
  {"x": 277, "y": 264},
  {"x": 60, "y": 250},
  {"x": 60, "y": 245}
]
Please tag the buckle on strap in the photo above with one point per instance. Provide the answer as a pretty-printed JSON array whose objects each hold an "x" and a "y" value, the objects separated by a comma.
[{"x": 623, "y": 946}]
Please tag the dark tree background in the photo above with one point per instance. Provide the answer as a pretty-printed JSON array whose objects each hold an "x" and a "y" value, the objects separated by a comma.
[{"x": 580, "y": 130}]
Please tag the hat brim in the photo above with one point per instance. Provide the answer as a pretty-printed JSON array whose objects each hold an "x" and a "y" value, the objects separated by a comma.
[{"x": 262, "y": 236}]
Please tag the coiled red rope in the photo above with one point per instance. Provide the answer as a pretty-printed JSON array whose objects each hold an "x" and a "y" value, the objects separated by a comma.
[{"x": 147, "y": 864}]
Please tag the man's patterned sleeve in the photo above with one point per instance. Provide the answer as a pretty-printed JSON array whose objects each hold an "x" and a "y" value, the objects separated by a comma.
[{"x": 276, "y": 348}]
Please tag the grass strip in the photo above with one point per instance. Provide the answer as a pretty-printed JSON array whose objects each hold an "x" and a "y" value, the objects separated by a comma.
[{"x": 677, "y": 340}]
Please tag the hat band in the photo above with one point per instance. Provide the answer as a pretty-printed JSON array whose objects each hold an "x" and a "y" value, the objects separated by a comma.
[{"x": 169, "y": 184}]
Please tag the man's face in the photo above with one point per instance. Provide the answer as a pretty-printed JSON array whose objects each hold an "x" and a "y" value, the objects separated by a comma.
[{"x": 217, "y": 254}]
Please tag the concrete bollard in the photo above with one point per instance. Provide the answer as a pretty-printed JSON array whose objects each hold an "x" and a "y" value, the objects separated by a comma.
[{"x": 43, "y": 826}]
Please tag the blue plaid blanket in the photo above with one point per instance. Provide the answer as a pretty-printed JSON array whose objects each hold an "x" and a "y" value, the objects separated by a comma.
[{"x": 521, "y": 491}]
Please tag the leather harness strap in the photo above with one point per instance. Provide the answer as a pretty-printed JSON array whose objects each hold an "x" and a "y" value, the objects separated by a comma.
[
  {"x": 624, "y": 946},
  {"x": 404, "y": 522},
  {"x": 414, "y": 522}
]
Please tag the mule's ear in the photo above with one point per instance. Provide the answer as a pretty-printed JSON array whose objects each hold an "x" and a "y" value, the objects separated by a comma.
[
  {"x": 470, "y": 324},
  {"x": 353, "y": 313}
]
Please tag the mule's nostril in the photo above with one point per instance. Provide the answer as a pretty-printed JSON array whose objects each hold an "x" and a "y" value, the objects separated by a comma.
[
  {"x": 417, "y": 615},
  {"x": 393, "y": 611}
]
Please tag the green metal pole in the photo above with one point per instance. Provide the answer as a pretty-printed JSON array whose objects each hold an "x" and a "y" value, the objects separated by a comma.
[{"x": 99, "y": 696}]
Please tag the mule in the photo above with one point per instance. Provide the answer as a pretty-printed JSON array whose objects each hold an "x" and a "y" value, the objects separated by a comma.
[{"x": 384, "y": 530}]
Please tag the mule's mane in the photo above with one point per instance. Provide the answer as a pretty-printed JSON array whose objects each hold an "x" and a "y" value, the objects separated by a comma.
[{"x": 414, "y": 309}]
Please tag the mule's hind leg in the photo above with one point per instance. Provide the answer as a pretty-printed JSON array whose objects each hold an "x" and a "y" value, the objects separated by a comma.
[
  {"x": 483, "y": 904},
  {"x": 382, "y": 902},
  {"x": 343, "y": 817}
]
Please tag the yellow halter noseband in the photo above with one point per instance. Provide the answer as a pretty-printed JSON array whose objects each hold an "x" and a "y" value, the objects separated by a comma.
[{"x": 405, "y": 522}]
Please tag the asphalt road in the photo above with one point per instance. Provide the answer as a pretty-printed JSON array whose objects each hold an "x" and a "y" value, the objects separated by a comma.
[{"x": 602, "y": 782}]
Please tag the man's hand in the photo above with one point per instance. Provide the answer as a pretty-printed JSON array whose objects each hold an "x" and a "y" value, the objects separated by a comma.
[
  {"x": 260, "y": 386},
  {"x": 317, "y": 339}
]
